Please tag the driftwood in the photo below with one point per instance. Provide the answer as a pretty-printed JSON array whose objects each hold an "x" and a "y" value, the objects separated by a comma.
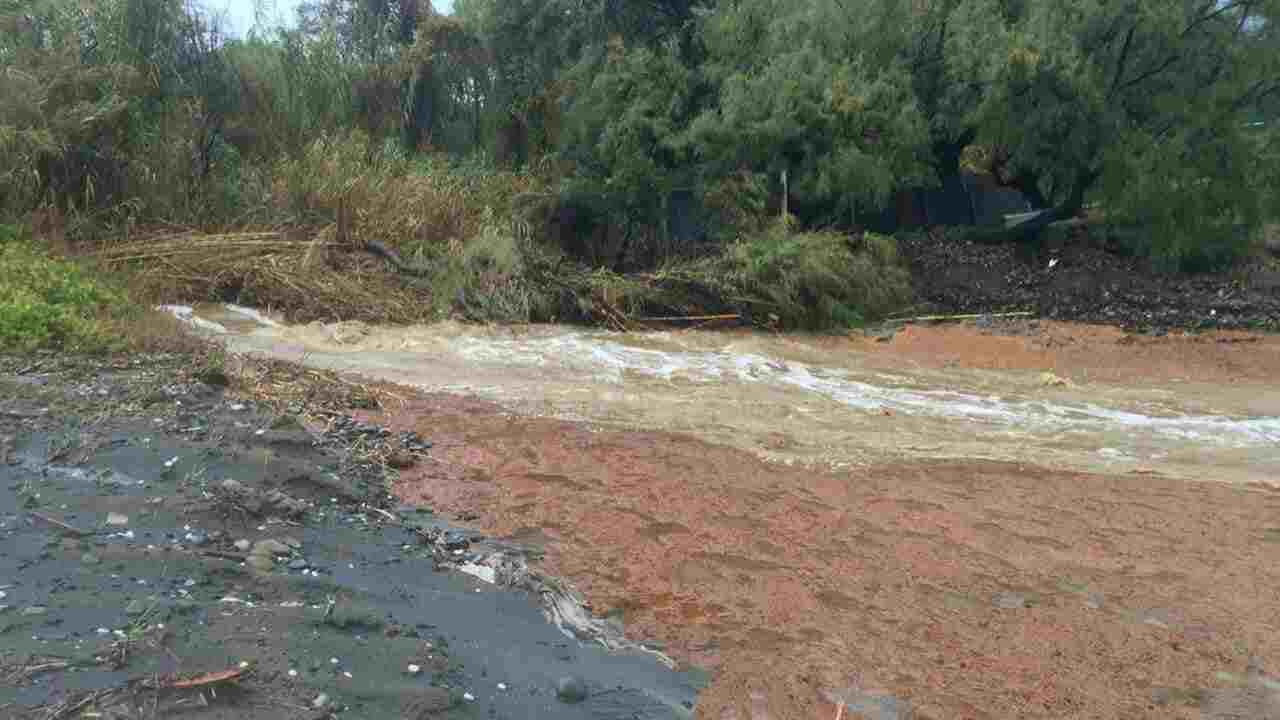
[
  {"x": 689, "y": 318},
  {"x": 376, "y": 248},
  {"x": 956, "y": 318}
]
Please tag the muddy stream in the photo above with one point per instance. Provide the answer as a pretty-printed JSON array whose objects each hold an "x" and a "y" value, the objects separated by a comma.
[{"x": 835, "y": 402}]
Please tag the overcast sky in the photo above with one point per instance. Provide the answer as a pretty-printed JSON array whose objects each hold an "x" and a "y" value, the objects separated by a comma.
[{"x": 239, "y": 13}]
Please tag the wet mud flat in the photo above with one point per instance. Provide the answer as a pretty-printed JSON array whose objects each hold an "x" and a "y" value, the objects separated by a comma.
[
  {"x": 168, "y": 549},
  {"x": 919, "y": 589}
]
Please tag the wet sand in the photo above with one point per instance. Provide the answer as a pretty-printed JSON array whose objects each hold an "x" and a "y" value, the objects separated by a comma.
[
  {"x": 973, "y": 590},
  {"x": 906, "y": 526}
]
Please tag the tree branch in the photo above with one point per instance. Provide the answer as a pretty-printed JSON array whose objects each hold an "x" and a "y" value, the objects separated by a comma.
[
  {"x": 1123, "y": 61},
  {"x": 1168, "y": 62}
]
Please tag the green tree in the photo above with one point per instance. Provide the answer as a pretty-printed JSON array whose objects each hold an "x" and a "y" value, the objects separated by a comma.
[
  {"x": 1146, "y": 105},
  {"x": 805, "y": 89}
]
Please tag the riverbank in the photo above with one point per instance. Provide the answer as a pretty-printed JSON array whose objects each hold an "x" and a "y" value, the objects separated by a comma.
[{"x": 177, "y": 546}]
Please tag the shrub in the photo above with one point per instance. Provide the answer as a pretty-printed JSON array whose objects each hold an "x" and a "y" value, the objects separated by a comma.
[
  {"x": 816, "y": 280},
  {"x": 50, "y": 303}
]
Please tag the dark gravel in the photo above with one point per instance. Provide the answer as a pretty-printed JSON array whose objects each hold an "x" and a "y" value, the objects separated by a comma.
[{"x": 1089, "y": 284}]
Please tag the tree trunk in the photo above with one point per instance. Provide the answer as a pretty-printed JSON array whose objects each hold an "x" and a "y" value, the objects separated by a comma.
[{"x": 420, "y": 114}]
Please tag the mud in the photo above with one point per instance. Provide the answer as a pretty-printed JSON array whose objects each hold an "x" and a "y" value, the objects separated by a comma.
[
  {"x": 120, "y": 573},
  {"x": 901, "y": 525},
  {"x": 954, "y": 590}
]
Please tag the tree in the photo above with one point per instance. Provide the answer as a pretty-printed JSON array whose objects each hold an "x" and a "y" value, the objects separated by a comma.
[
  {"x": 805, "y": 89},
  {"x": 1146, "y": 103}
]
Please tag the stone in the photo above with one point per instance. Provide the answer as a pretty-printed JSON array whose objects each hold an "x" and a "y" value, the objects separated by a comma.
[
  {"x": 270, "y": 547},
  {"x": 427, "y": 703},
  {"x": 320, "y": 701},
  {"x": 571, "y": 689},
  {"x": 299, "y": 564},
  {"x": 243, "y": 545},
  {"x": 35, "y": 611},
  {"x": 262, "y": 563},
  {"x": 117, "y": 519},
  {"x": 1011, "y": 601}
]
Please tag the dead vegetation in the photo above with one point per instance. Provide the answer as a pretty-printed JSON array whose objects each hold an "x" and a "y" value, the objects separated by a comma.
[{"x": 303, "y": 279}]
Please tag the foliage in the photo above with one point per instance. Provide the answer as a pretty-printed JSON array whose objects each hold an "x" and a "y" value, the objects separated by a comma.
[
  {"x": 50, "y": 303},
  {"x": 815, "y": 280}
]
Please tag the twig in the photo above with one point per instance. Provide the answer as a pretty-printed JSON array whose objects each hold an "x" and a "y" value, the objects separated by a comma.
[
  {"x": 690, "y": 318},
  {"x": 60, "y": 525},
  {"x": 941, "y": 318}
]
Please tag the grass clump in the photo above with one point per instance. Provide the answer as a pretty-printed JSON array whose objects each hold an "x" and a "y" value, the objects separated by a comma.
[
  {"x": 798, "y": 280},
  {"x": 51, "y": 303}
]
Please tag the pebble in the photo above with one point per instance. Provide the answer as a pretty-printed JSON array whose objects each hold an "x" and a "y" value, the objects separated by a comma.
[
  {"x": 571, "y": 689},
  {"x": 270, "y": 547},
  {"x": 468, "y": 697},
  {"x": 320, "y": 701},
  {"x": 299, "y": 564},
  {"x": 243, "y": 545},
  {"x": 35, "y": 611},
  {"x": 414, "y": 669},
  {"x": 264, "y": 563},
  {"x": 117, "y": 519},
  {"x": 293, "y": 673},
  {"x": 1011, "y": 601}
]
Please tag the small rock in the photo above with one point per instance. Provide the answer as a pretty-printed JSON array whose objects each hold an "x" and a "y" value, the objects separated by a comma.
[
  {"x": 571, "y": 689},
  {"x": 1011, "y": 601},
  {"x": 414, "y": 669},
  {"x": 320, "y": 701},
  {"x": 233, "y": 486},
  {"x": 197, "y": 539},
  {"x": 243, "y": 545},
  {"x": 262, "y": 563},
  {"x": 299, "y": 564},
  {"x": 35, "y": 611},
  {"x": 270, "y": 547},
  {"x": 117, "y": 519}
]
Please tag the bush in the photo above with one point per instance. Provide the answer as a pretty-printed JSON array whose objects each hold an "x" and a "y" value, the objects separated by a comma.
[
  {"x": 816, "y": 280},
  {"x": 494, "y": 277},
  {"x": 50, "y": 303}
]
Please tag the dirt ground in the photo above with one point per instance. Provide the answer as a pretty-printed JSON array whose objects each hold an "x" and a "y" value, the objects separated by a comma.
[
  {"x": 916, "y": 589},
  {"x": 1097, "y": 353},
  {"x": 173, "y": 548}
]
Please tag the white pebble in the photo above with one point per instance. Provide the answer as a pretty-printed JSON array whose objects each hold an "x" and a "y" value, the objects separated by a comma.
[
  {"x": 244, "y": 663},
  {"x": 415, "y": 669},
  {"x": 347, "y": 673},
  {"x": 502, "y": 686},
  {"x": 468, "y": 697},
  {"x": 171, "y": 462},
  {"x": 293, "y": 673},
  {"x": 333, "y": 661}
]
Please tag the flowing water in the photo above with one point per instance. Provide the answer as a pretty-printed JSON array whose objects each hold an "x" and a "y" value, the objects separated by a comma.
[{"x": 796, "y": 399}]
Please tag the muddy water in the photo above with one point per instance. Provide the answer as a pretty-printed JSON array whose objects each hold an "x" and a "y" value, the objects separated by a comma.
[{"x": 798, "y": 399}]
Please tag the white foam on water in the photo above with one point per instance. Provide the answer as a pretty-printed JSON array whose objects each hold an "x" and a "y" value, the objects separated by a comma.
[
  {"x": 607, "y": 360},
  {"x": 252, "y": 315},
  {"x": 186, "y": 314}
]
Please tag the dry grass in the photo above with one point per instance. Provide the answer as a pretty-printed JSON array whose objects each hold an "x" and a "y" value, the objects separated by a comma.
[
  {"x": 422, "y": 205},
  {"x": 305, "y": 279}
]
